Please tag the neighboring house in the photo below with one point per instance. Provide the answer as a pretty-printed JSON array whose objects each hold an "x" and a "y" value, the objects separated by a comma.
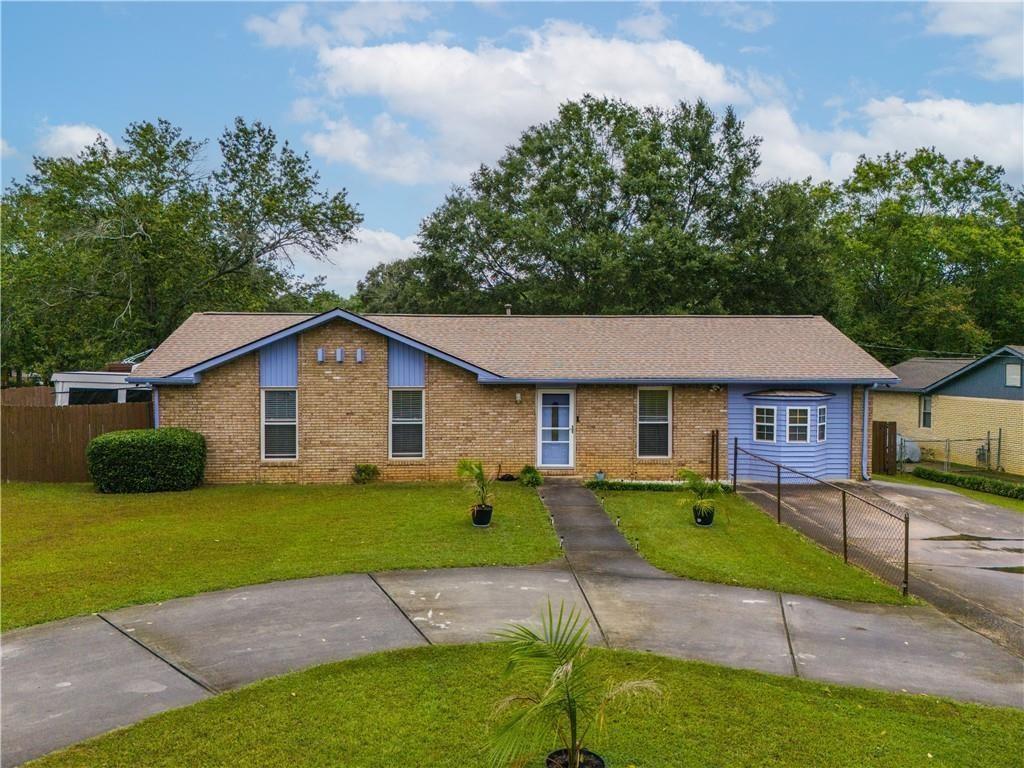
[
  {"x": 957, "y": 399},
  {"x": 303, "y": 398}
]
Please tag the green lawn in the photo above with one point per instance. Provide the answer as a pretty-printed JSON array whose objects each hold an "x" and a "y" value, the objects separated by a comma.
[
  {"x": 432, "y": 706},
  {"x": 68, "y": 550},
  {"x": 743, "y": 547},
  {"x": 1017, "y": 505}
]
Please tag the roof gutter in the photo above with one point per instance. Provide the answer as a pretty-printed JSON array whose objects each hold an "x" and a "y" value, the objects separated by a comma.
[
  {"x": 674, "y": 380},
  {"x": 164, "y": 380}
]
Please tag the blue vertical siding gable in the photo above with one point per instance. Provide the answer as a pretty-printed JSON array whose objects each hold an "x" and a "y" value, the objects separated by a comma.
[
  {"x": 405, "y": 365},
  {"x": 830, "y": 459},
  {"x": 279, "y": 364}
]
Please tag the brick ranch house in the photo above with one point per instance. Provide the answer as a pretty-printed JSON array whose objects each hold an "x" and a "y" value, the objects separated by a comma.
[{"x": 304, "y": 398}]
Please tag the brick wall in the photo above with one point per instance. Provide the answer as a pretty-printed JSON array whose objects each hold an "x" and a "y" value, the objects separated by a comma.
[
  {"x": 857, "y": 429},
  {"x": 343, "y": 420},
  {"x": 956, "y": 418}
]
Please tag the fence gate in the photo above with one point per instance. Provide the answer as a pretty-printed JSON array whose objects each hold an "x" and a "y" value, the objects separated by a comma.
[{"x": 883, "y": 447}]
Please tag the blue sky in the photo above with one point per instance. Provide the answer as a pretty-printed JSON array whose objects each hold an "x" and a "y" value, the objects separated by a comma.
[{"x": 398, "y": 102}]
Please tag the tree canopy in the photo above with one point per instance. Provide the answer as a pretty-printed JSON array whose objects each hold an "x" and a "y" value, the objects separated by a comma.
[
  {"x": 613, "y": 208},
  {"x": 104, "y": 254}
]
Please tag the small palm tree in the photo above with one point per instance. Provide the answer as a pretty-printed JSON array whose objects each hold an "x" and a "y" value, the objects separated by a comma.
[
  {"x": 561, "y": 697},
  {"x": 472, "y": 472}
]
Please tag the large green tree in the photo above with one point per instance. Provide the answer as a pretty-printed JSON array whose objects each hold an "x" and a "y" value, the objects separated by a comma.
[
  {"x": 932, "y": 251},
  {"x": 614, "y": 208},
  {"x": 104, "y": 254}
]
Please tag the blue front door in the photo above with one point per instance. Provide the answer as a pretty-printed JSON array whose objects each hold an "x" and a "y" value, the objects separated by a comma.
[{"x": 555, "y": 429}]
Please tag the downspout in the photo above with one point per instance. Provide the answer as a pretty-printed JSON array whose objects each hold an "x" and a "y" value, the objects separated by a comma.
[
  {"x": 156, "y": 407},
  {"x": 864, "y": 434}
]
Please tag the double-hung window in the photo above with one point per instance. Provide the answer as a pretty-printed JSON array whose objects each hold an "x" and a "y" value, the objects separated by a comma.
[
  {"x": 1013, "y": 374},
  {"x": 924, "y": 418},
  {"x": 406, "y": 429},
  {"x": 798, "y": 425},
  {"x": 654, "y": 423},
  {"x": 822, "y": 422},
  {"x": 280, "y": 424},
  {"x": 764, "y": 424}
]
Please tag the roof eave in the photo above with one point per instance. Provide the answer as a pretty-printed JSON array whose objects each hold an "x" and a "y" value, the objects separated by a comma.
[{"x": 553, "y": 381}]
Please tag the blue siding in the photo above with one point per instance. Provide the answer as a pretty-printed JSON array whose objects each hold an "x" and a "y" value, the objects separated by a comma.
[
  {"x": 988, "y": 380},
  {"x": 279, "y": 364},
  {"x": 830, "y": 459},
  {"x": 405, "y": 365}
]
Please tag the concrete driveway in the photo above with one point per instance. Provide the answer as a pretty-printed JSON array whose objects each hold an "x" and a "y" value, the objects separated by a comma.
[{"x": 961, "y": 551}]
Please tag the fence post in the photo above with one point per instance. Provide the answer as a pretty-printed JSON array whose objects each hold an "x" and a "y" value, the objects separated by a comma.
[
  {"x": 735, "y": 460},
  {"x": 999, "y": 449},
  {"x": 846, "y": 557},
  {"x": 946, "y": 467},
  {"x": 988, "y": 450},
  {"x": 906, "y": 552},
  {"x": 778, "y": 493}
]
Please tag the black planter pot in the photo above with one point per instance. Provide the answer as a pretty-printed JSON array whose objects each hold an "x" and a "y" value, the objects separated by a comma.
[
  {"x": 703, "y": 515},
  {"x": 560, "y": 759},
  {"x": 482, "y": 515}
]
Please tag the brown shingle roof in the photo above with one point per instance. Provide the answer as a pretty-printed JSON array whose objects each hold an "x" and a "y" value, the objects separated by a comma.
[
  {"x": 920, "y": 372},
  {"x": 573, "y": 347}
]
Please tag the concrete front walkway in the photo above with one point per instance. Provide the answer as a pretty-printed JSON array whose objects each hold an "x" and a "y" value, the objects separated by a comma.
[{"x": 70, "y": 680}]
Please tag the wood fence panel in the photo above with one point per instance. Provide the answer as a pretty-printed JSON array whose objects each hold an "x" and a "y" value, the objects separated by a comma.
[
  {"x": 27, "y": 396},
  {"x": 48, "y": 444},
  {"x": 883, "y": 447}
]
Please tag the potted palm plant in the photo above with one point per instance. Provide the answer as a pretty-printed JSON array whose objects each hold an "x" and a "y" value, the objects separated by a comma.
[
  {"x": 472, "y": 472},
  {"x": 560, "y": 700},
  {"x": 703, "y": 491}
]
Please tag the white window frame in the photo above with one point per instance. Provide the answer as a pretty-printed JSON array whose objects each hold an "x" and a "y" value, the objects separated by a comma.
[
  {"x": 1020, "y": 370},
  {"x": 806, "y": 425},
  {"x": 263, "y": 423},
  {"x": 774, "y": 425},
  {"x": 822, "y": 423},
  {"x": 921, "y": 412},
  {"x": 668, "y": 421},
  {"x": 422, "y": 422}
]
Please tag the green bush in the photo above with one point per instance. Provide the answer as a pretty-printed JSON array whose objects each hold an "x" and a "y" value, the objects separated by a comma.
[
  {"x": 365, "y": 473},
  {"x": 652, "y": 485},
  {"x": 146, "y": 460},
  {"x": 972, "y": 482},
  {"x": 530, "y": 477}
]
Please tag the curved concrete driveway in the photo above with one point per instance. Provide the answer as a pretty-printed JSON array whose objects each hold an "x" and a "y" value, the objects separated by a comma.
[{"x": 69, "y": 680}]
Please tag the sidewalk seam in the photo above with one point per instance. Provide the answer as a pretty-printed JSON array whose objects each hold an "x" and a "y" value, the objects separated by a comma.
[
  {"x": 789, "y": 640},
  {"x": 152, "y": 651},
  {"x": 394, "y": 603}
]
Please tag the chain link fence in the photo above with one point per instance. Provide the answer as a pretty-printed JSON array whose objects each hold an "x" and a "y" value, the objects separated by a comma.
[
  {"x": 961, "y": 454},
  {"x": 871, "y": 534}
]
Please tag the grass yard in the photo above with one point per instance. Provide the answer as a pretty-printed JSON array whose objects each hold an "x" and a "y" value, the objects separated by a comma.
[
  {"x": 1017, "y": 505},
  {"x": 431, "y": 707},
  {"x": 68, "y": 550},
  {"x": 744, "y": 547}
]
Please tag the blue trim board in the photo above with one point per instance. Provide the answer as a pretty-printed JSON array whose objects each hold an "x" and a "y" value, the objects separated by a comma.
[{"x": 678, "y": 380}]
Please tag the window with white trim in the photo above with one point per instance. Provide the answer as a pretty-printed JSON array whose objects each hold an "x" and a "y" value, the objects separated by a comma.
[
  {"x": 764, "y": 424},
  {"x": 798, "y": 425},
  {"x": 280, "y": 437},
  {"x": 822, "y": 423},
  {"x": 406, "y": 431},
  {"x": 1013, "y": 374},
  {"x": 924, "y": 418},
  {"x": 654, "y": 422}
]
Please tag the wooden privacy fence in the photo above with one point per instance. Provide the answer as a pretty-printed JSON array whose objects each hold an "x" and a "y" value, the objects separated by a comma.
[
  {"x": 48, "y": 444},
  {"x": 883, "y": 447},
  {"x": 26, "y": 396}
]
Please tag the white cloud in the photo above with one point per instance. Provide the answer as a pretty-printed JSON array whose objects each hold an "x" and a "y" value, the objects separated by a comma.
[
  {"x": 746, "y": 17},
  {"x": 352, "y": 260},
  {"x": 473, "y": 103},
  {"x": 994, "y": 132},
  {"x": 69, "y": 140},
  {"x": 648, "y": 24},
  {"x": 996, "y": 26},
  {"x": 357, "y": 24},
  {"x": 6, "y": 150}
]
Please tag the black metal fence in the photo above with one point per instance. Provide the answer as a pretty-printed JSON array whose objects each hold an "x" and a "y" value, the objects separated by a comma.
[{"x": 864, "y": 532}]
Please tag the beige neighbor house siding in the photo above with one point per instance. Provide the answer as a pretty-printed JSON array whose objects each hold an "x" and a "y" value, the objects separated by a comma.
[
  {"x": 343, "y": 420},
  {"x": 955, "y": 418}
]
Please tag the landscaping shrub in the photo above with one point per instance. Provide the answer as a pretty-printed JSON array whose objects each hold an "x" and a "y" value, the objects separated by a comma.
[
  {"x": 146, "y": 460},
  {"x": 972, "y": 482},
  {"x": 365, "y": 473},
  {"x": 530, "y": 477},
  {"x": 649, "y": 485}
]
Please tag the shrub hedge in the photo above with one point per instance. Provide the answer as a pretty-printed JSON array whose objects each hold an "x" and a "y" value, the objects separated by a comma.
[
  {"x": 640, "y": 485},
  {"x": 972, "y": 482},
  {"x": 147, "y": 460}
]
